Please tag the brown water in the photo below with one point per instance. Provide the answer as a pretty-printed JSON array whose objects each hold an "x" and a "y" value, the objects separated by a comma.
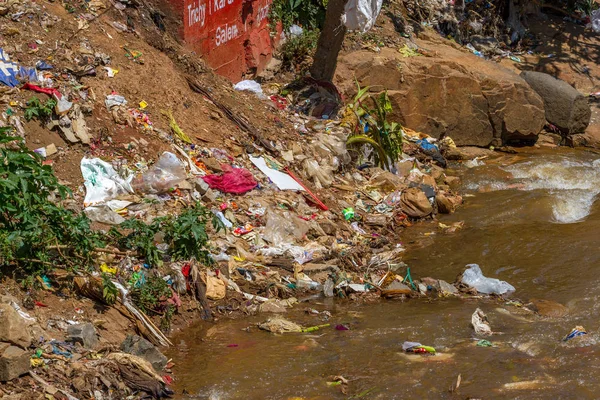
[{"x": 541, "y": 236}]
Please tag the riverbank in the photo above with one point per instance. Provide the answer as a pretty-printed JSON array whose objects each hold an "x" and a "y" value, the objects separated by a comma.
[{"x": 238, "y": 206}]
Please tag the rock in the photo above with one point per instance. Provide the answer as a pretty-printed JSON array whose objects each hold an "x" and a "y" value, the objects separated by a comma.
[
  {"x": 272, "y": 306},
  {"x": 395, "y": 289},
  {"x": 445, "y": 287},
  {"x": 415, "y": 204},
  {"x": 272, "y": 68},
  {"x": 13, "y": 328},
  {"x": 565, "y": 107},
  {"x": 444, "y": 205},
  {"x": 212, "y": 164},
  {"x": 450, "y": 93},
  {"x": 138, "y": 346},
  {"x": 14, "y": 362},
  {"x": 452, "y": 181},
  {"x": 548, "y": 308},
  {"x": 84, "y": 334},
  {"x": 200, "y": 185}
]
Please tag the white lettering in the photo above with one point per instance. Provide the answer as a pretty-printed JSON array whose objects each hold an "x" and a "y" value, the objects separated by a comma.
[
  {"x": 218, "y": 4},
  {"x": 263, "y": 13},
  {"x": 225, "y": 33},
  {"x": 196, "y": 14}
]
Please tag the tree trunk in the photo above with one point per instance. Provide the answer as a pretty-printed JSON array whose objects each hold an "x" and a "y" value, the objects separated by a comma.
[{"x": 330, "y": 42}]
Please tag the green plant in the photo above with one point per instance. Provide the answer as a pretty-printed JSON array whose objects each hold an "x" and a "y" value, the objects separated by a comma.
[
  {"x": 310, "y": 14},
  {"x": 109, "y": 290},
  {"x": 37, "y": 110},
  {"x": 149, "y": 296},
  {"x": 385, "y": 137},
  {"x": 35, "y": 231},
  {"x": 299, "y": 48},
  {"x": 184, "y": 235}
]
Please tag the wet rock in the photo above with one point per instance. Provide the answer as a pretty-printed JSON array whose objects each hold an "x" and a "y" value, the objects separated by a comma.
[
  {"x": 451, "y": 93},
  {"x": 84, "y": 334},
  {"x": 444, "y": 205},
  {"x": 415, "y": 204},
  {"x": 548, "y": 308},
  {"x": 140, "y": 347},
  {"x": 445, "y": 287},
  {"x": 565, "y": 107},
  {"x": 452, "y": 181},
  {"x": 13, "y": 328},
  {"x": 396, "y": 289},
  {"x": 14, "y": 362}
]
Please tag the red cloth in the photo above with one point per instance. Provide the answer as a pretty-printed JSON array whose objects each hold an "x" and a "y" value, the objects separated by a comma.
[
  {"x": 233, "y": 180},
  {"x": 49, "y": 92}
]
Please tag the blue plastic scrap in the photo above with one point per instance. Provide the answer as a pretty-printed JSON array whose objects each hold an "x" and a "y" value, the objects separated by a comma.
[
  {"x": 425, "y": 145},
  {"x": 11, "y": 74}
]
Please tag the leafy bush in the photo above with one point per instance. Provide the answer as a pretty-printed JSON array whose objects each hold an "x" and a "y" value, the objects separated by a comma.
[
  {"x": 33, "y": 227},
  {"x": 309, "y": 14},
  {"x": 184, "y": 235}
]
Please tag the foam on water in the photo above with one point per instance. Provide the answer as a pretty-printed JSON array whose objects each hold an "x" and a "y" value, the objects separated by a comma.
[{"x": 572, "y": 184}]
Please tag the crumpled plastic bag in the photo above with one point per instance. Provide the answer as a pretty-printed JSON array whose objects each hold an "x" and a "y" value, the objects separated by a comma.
[
  {"x": 166, "y": 173},
  {"x": 415, "y": 203},
  {"x": 595, "y": 17},
  {"x": 102, "y": 182},
  {"x": 321, "y": 175},
  {"x": 233, "y": 180},
  {"x": 360, "y": 15},
  {"x": 474, "y": 278},
  {"x": 284, "y": 228}
]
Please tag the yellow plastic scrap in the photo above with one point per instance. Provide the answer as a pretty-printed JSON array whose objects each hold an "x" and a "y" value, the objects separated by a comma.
[
  {"x": 108, "y": 270},
  {"x": 408, "y": 52},
  {"x": 175, "y": 128},
  {"x": 36, "y": 362}
]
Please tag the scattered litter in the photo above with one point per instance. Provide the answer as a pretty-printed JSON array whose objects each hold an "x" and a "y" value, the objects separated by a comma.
[{"x": 473, "y": 277}]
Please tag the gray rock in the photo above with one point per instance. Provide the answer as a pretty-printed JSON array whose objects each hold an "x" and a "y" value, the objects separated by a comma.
[
  {"x": 272, "y": 306},
  {"x": 13, "y": 328},
  {"x": 565, "y": 107},
  {"x": 138, "y": 346},
  {"x": 14, "y": 362},
  {"x": 445, "y": 287},
  {"x": 85, "y": 334}
]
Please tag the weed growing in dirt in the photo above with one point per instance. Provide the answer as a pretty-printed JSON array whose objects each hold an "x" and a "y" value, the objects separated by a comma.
[
  {"x": 37, "y": 110},
  {"x": 149, "y": 295},
  {"x": 297, "y": 49},
  {"x": 385, "y": 137}
]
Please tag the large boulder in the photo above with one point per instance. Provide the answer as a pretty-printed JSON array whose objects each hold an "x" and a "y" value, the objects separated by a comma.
[
  {"x": 13, "y": 327},
  {"x": 450, "y": 93},
  {"x": 566, "y": 108},
  {"x": 14, "y": 362}
]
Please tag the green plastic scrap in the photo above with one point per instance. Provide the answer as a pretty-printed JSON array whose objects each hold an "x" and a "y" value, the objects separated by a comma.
[
  {"x": 408, "y": 279},
  {"x": 484, "y": 343}
]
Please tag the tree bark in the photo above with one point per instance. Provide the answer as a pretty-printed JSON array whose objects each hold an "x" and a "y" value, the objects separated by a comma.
[{"x": 330, "y": 42}]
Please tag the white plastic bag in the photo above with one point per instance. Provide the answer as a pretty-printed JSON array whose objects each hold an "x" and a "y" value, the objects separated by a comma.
[
  {"x": 251, "y": 86},
  {"x": 162, "y": 176},
  {"x": 360, "y": 15},
  {"x": 474, "y": 278},
  {"x": 102, "y": 182},
  {"x": 596, "y": 21}
]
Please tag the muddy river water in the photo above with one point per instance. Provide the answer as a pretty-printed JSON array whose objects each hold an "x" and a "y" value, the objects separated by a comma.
[{"x": 530, "y": 220}]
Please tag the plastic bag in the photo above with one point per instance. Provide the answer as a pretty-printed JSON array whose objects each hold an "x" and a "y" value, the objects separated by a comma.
[
  {"x": 102, "y": 182},
  {"x": 360, "y": 15},
  {"x": 284, "y": 228},
  {"x": 321, "y": 175},
  {"x": 596, "y": 21},
  {"x": 474, "y": 278},
  {"x": 251, "y": 86},
  {"x": 167, "y": 172}
]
